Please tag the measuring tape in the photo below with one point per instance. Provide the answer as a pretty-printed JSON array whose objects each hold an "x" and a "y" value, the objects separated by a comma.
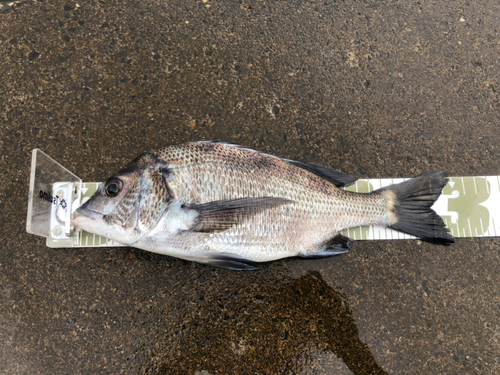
[{"x": 467, "y": 206}]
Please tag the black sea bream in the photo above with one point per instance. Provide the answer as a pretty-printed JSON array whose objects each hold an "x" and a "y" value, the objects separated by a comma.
[{"x": 231, "y": 206}]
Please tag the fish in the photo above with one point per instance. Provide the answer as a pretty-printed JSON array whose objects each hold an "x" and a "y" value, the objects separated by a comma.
[{"x": 233, "y": 207}]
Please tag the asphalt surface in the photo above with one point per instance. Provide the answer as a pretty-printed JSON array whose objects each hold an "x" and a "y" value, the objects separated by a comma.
[{"x": 373, "y": 88}]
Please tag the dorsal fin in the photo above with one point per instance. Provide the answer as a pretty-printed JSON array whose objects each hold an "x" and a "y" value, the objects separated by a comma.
[
  {"x": 337, "y": 178},
  {"x": 333, "y": 176}
]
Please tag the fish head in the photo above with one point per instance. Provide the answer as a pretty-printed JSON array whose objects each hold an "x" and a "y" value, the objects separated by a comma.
[{"x": 130, "y": 203}]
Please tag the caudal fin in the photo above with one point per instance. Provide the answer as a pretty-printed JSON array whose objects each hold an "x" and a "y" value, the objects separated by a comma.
[{"x": 412, "y": 207}]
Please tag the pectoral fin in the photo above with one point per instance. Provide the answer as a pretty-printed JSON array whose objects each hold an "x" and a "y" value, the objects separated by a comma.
[{"x": 221, "y": 215}]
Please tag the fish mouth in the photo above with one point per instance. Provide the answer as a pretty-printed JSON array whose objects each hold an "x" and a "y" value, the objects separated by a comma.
[{"x": 91, "y": 214}]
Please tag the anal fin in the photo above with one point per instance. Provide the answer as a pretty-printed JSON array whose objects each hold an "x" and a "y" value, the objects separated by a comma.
[{"x": 338, "y": 245}]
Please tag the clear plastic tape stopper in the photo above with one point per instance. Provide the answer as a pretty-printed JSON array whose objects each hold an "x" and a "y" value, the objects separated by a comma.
[{"x": 53, "y": 196}]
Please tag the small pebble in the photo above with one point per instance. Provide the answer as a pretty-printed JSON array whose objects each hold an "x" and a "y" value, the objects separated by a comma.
[
  {"x": 5, "y": 8},
  {"x": 69, "y": 6}
]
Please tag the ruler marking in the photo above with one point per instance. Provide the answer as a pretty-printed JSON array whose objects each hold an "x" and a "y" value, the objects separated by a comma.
[
  {"x": 487, "y": 185},
  {"x": 475, "y": 186},
  {"x": 449, "y": 227},
  {"x": 470, "y": 229},
  {"x": 494, "y": 228},
  {"x": 463, "y": 184},
  {"x": 481, "y": 222}
]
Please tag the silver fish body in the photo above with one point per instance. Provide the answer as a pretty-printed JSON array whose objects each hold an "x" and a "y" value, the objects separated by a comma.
[{"x": 228, "y": 206}]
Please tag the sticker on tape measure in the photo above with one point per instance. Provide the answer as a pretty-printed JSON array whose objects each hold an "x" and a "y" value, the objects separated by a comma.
[{"x": 467, "y": 206}]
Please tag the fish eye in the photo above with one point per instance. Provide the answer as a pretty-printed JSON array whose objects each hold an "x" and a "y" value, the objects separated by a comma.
[{"x": 113, "y": 187}]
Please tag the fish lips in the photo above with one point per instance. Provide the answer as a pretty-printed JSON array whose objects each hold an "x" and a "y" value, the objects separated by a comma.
[
  {"x": 87, "y": 212},
  {"x": 88, "y": 220}
]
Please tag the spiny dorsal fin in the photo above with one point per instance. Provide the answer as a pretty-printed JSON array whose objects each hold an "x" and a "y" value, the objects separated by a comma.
[
  {"x": 337, "y": 178},
  {"x": 333, "y": 176}
]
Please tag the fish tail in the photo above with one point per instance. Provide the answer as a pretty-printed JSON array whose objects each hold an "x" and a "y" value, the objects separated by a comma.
[{"x": 410, "y": 202}]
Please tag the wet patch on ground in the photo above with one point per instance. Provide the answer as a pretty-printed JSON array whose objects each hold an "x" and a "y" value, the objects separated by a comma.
[{"x": 274, "y": 326}]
